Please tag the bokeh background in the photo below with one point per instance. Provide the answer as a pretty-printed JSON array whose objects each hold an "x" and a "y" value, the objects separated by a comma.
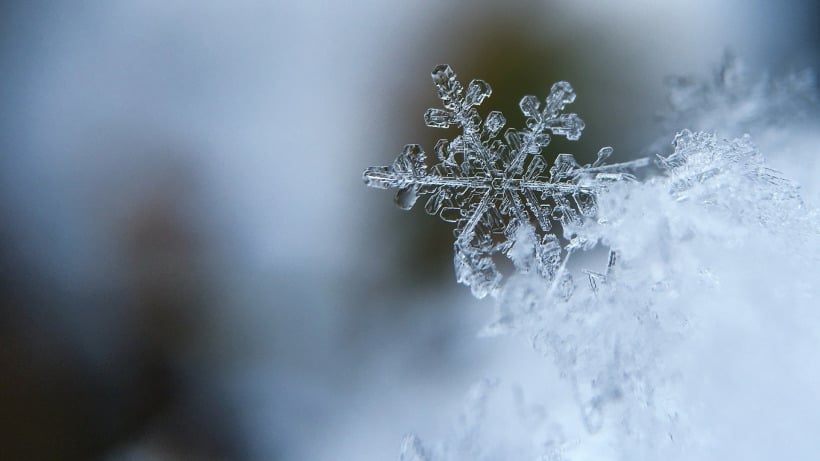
[{"x": 191, "y": 267}]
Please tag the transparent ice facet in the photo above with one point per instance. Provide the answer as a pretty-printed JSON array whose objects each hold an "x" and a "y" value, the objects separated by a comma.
[
  {"x": 437, "y": 118},
  {"x": 477, "y": 92},
  {"x": 529, "y": 106},
  {"x": 406, "y": 197},
  {"x": 494, "y": 123},
  {"x": 603, "y": 154},
  {"x": 560, "y": 95}
]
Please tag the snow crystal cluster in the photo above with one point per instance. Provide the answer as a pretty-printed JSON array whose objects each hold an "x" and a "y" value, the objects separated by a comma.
[{"x": 713, "y": 249}]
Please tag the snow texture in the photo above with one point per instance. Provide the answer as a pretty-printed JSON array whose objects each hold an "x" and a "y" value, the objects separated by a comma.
[
  {"x": 735, "y": 101},
  {"x": 716, "y": 250}
]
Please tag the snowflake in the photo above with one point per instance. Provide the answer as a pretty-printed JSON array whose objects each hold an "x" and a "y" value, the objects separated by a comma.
[{"x": 496, "y": 188}]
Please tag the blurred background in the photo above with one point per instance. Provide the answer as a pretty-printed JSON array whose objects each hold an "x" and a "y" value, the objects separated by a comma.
[{"x": 191, "y": 266}]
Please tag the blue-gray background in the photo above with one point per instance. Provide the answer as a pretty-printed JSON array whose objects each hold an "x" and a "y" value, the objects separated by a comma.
[{"x": 191, "y": 266}]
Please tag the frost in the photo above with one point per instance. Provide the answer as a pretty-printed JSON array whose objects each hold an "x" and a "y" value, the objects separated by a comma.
[
  {"x": 494, "y": 188},
  {"x": 413, "y": 450},
  {"x": 731, "y": 175},
  {"x": 734, "y": 101},
  {"x": 780, "y": 111},
  {"x": 715, "y": 243},
  {"x": 684, "y": 242},
  {"x": 680, "y": 242}
]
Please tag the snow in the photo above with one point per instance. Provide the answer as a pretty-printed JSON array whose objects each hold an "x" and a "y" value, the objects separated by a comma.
[{"x": 669, "y": 350}]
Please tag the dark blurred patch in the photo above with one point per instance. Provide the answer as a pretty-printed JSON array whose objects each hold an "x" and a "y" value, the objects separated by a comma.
[{"x": 137, "y": 398}]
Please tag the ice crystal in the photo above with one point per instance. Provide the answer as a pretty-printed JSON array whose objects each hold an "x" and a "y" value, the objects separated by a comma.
[
  {"x": 781, "y": 112},
  {"x": 498, "y": 189}
]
